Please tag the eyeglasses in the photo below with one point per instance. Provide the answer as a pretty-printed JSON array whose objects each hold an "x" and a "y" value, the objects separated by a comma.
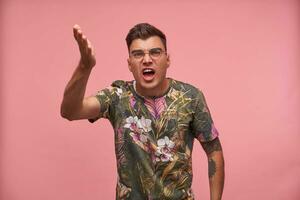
[{"x": 154, "y": 53}]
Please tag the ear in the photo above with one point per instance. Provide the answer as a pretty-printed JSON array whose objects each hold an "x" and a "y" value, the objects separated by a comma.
[
  {"x": 168, "y": 60},
  {"x": 129, "y": 65}
]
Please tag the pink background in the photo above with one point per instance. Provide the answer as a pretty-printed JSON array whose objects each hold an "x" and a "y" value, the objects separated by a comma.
[{"x": 244, "y": 55}]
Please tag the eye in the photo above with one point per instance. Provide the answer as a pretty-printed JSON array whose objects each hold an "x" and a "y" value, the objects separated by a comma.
[
  {"x": 155, "y": 52},
  {"x": 138, "y": 54}
]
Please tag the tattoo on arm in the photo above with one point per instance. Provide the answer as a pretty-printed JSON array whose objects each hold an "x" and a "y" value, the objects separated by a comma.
[
  {"x": 212, "y": 146},
  {"x": 211, "y": 167}
]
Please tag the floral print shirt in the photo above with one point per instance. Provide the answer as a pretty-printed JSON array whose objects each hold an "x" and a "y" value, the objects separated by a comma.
[{"x": 154, "y": 138}]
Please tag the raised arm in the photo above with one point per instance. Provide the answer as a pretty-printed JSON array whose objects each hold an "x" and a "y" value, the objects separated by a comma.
[
  {"x": 213, "y": 150},
  {"x": 74, "y": 105}
]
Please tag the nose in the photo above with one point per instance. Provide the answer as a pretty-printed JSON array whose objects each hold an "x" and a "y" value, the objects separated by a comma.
[{"x": 147, "y": 59}]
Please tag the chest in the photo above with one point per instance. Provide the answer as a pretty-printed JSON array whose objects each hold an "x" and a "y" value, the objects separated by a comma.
[{"x": 155, "y": 118}]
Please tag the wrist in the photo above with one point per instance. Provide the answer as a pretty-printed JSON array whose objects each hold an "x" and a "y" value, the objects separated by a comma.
[{"x": 84, "y": 66}]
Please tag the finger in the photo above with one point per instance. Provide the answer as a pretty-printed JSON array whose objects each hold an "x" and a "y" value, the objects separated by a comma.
[
  {"x": 79, "y": 36},
  {"x": 80, "y": 40},
  {"x": 84, "y": 40},
  {"x": 76, "y": 28},
  {"x": 90, "y": 51},
  {"x": 89, "y": 44},
  {"x": 84, "y": 43}
]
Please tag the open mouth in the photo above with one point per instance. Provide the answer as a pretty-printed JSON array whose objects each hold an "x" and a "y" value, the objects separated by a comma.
[{"x": 148, "y": 73}]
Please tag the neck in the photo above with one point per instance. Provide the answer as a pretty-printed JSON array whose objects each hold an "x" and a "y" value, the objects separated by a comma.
[{"x": 158, "y": 91}]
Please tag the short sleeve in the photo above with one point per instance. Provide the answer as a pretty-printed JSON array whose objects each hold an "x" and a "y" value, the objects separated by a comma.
[
  {"x": 202, "y": 124},
  {"x": 105, "y": 98}
]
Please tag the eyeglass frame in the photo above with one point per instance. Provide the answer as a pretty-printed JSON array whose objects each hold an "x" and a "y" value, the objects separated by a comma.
[{"x": 149, "y": 53}]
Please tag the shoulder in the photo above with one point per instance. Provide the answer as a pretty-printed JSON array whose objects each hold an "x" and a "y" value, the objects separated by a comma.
[
  {"x": 119, "y": 83},
  {"x": 188, "y": 89},
  {"x": 117, "y": 87},
  {"x": 122, "y": 84},
  {"x": 120, "y": 88}
]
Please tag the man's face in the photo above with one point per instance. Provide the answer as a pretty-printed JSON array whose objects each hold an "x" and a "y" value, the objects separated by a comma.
[{"x": 148, "y": 62}]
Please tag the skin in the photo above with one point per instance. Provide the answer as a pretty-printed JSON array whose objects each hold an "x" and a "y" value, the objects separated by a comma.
[
  {"x": 75, "y": 106},
  {"x": 160, "y": 83},
  {"x": 213, "y": 150}
]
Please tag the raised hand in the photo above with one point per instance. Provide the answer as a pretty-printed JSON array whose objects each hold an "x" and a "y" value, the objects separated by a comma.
[{"x": 88, "y": 59}]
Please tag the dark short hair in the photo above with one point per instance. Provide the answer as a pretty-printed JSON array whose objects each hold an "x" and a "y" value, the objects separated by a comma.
[{"x": 144, "y": 31}]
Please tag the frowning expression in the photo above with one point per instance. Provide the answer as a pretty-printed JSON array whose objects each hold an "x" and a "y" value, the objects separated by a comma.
[{"x": 148, "y": 61}]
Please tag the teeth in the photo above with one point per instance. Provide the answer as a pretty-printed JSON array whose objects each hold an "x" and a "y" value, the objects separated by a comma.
[{"x": 148, "y": 70}]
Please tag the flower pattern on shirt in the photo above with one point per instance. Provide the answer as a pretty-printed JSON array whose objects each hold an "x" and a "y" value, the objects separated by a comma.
[
  {"x": 132, "y": 123},
  {"x": 164, "y": 149},
  {"x": 154, "y": 138}
]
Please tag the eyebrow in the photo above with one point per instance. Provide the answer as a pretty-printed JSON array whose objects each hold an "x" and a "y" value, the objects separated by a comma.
[{"x": 139, "y": 50}]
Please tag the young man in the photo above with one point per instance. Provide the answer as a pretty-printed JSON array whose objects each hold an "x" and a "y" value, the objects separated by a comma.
[{"x": 155, "y": 120}]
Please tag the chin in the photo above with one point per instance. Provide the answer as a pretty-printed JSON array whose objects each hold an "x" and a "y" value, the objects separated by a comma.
[
  {"x": 149, "y": 85},
  {"x": 155, "y": 85}
]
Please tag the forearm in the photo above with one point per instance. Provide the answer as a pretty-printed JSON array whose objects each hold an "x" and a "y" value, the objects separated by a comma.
[
  {"x": 74, "y": 91},
  {"x": 216, "y": 174}
]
